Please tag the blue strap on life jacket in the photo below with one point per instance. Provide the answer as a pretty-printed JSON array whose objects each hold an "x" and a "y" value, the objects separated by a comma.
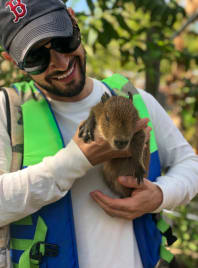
[
  {"x": 58, "y": 218},
  {"x": 147, "y": 234}
]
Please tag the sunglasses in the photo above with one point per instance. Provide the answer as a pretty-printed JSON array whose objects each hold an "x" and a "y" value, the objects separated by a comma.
[{"x": 37, "y": 60}]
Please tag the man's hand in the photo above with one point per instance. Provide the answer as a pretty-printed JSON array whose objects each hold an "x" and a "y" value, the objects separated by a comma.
[
  {"x": 145, "y": 198},
  {"x": 100, "y": 150}
]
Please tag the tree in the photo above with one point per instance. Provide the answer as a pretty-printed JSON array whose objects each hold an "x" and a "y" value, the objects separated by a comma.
[{"x": 142, "y": 29}]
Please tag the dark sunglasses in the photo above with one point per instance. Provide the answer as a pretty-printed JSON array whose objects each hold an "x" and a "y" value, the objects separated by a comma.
[{"x": 37, "y": 60}]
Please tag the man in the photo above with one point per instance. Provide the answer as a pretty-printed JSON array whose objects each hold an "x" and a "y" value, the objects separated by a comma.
[{"x": 43, "y": 39}]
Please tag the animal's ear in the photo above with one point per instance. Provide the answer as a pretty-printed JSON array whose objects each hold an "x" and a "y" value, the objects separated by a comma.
[
  {"x": 105, "y": 97},
  {"x": 130, "y": 96}
]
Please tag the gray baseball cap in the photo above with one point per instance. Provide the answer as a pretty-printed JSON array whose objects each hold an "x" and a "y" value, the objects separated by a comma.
[{"x": 23, "y": 23}]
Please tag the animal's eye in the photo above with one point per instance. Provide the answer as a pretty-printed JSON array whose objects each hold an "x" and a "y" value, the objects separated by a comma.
[{"x": 107, "y": 117}]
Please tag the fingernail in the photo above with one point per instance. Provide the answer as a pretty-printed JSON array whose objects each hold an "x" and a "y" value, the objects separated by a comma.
[{"x": 122, "y": 179}]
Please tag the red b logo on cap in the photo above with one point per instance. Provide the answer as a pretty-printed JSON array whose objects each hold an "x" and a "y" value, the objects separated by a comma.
[{"x": 17, "y": 8}]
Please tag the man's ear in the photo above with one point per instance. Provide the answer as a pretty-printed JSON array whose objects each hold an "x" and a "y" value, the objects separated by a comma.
[
  {"x": 71, "y": 12},
  {"x": 6, "y": 56}
]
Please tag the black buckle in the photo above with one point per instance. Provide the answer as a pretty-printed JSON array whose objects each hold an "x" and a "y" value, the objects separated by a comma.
[{"x": 41, "y": 249}]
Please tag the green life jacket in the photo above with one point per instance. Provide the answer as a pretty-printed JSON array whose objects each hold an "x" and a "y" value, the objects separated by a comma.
[{"x": 47, "y": 238}]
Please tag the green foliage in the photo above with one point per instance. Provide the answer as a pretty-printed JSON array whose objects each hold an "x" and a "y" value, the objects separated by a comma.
[
  {"x": 142, "y": 30},
  {"x": 105, "y": 37},
  {"x": 91, "y": 6},
  {"x": 9, "y": 73},
  {"x": 186, "y": 231},
  {"x": 186, "y": 97},
  {"x": 160, "y": 11}
]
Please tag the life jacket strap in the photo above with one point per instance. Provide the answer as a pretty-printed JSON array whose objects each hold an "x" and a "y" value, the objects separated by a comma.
[
  {"x": 167, "y": 237},
  {"x": 27, "y": 259},
  {"x": 41, "y": 249},
  {"x": 165, "y": 254}
]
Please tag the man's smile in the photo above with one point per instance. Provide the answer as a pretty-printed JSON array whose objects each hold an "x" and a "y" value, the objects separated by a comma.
[{"x": 68, "y": 74}]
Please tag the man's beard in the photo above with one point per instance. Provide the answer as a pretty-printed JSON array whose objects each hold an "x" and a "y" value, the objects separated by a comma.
[{"x": 73, "y": 89}]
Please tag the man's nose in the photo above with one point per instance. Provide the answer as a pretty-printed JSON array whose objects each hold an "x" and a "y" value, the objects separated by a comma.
[{"x": 58, "y": 60}]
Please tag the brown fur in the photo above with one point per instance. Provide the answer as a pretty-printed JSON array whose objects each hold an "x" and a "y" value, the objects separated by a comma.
[{"x": 115, "y": 119}]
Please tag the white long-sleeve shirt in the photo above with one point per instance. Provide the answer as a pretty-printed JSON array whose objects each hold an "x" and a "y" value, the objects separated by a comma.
[{"x": 102, "y": 241}]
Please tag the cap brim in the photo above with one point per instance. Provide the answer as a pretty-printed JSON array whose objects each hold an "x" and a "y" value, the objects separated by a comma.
[{"x": 54, "y": 24}]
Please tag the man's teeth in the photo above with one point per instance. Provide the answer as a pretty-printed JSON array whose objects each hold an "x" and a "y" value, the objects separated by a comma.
[{"x": 66, "y": 74}]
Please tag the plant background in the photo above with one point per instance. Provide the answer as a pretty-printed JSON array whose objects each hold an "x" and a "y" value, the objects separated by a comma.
[{"x": 155, "y": 44}]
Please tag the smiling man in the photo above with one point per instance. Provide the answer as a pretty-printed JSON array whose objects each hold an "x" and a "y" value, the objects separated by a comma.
[
  {"x": 65, "y": 75},
  {"x": 59, "y": 210}
]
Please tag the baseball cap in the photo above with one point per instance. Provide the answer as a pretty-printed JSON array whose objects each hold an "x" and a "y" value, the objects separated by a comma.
[{"x": 23, "y": 23}]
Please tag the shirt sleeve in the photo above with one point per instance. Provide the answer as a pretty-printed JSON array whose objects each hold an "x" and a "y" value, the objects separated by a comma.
[
  {"x": 179, "y": 182},
  {"x": 25, "y": 191}
]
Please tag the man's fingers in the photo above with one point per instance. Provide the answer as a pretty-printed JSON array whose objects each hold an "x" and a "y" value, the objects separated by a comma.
[
  {"x": 147, "y": 131},
  {"x": 130, "y": 182},
  {"x": 141, "y": 124},
  {"x": 106, "y": 200},
  {"x": 145, "y": 198},
  {"x": 113, "y": 203},
  {"x": 111, "y": 206}
]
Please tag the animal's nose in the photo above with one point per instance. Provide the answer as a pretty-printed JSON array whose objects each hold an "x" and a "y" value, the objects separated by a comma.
[{"x": 121, "y": 144}]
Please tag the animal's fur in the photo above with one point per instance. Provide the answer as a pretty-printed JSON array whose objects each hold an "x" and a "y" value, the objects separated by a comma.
[{"x": 115, "y": 119}]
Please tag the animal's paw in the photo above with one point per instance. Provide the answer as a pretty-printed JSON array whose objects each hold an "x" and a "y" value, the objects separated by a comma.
[
  {"x": 139, "y": 174},
  {"x": 86, "y": 131},
  {"x": 105, "y": 97}
]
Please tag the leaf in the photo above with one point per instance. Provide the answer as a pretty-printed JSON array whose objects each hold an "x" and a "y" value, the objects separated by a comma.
[
  {"x": 141, "y": 30},
  {"x": 108, "y": 33},
  {"x": 138, "y": 53},
  {"x": 91, "y": 6},
  {"x": 122, "y": 23},
  {"x": 138, "y": 3},
  {"x": 157, "y": 12},
  {"x": 102, "y": 4},
  {"x": 1, "y": 49},
  {"x": 92, "y": 36},
  {"x": 125, "y": 56}
]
